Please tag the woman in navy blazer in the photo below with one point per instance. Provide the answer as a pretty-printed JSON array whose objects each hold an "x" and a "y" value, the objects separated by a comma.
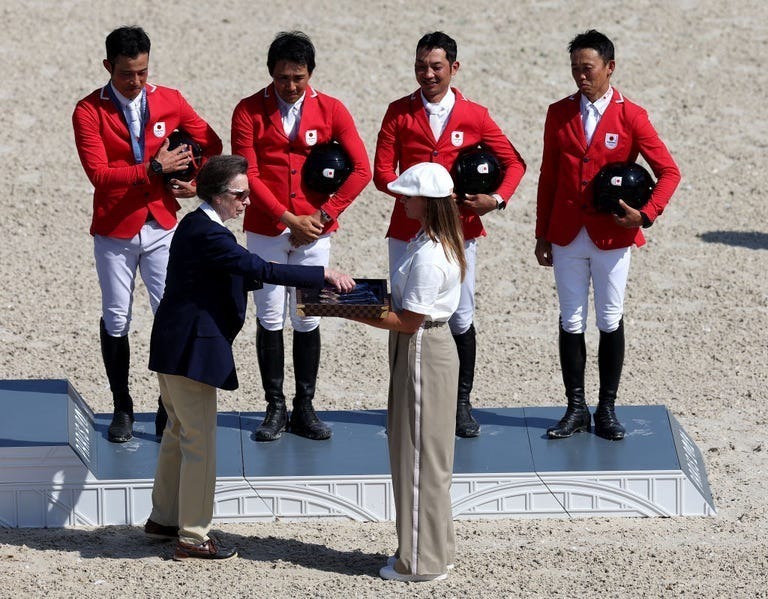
[{"x": 202, "y": 310}]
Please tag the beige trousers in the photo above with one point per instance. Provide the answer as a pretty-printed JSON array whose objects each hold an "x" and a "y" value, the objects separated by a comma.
[
  {"x": 421, "y": 422},
  {"x": 185, "y": 480}
]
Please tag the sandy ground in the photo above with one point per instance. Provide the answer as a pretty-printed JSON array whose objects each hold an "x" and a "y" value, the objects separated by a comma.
[{"x": 697, "y": 305}]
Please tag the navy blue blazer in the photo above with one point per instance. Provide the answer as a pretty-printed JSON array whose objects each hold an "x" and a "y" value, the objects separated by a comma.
[{"x": 206, "y": 293}]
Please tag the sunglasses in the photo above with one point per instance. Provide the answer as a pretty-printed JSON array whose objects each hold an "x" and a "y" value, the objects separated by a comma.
[{"x": 240, "y": 194}]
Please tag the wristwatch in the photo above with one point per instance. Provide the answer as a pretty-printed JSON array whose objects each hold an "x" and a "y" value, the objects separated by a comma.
[
  {"x": 156, "y": 167},
  {"x": 501, "y": 205},
  {"x": 325, "y": 217}
]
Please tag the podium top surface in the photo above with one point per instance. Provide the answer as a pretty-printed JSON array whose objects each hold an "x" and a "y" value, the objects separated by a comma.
[{"x": 39, "y": 413}]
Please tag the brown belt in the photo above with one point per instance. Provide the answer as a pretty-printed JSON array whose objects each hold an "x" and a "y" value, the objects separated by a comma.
[{"x": 428, "y": 324}]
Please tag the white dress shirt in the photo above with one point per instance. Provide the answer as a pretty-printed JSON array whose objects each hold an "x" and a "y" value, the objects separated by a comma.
[
  {"x": 592, "y": 112},
  {"x": 291, "y": 115},
  {"x": 132, "y": 111},
  {"x": 440, "y": 112}
]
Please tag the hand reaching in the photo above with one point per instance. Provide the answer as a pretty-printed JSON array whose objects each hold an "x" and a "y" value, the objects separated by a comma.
[{"x": 339, "y": 280}]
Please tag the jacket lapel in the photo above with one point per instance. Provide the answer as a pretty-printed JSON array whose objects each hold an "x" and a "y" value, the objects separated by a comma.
[
  {"x": 273, "y": 110},
  {"x": 113, "y": 113},
  {"x": 116, "y": 114},
  {"x": 308, "y": 115},
  {"x": 418, "y": 112},
  {"x": 575, "y": 125},
  {"x": 456, "y": 111},
  {"x": 150, "y": 90},
  {"x": 574, "y": 120}
]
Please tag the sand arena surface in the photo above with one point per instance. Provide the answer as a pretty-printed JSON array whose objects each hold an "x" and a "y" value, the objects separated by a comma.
[{"x": 696, "y": 310}]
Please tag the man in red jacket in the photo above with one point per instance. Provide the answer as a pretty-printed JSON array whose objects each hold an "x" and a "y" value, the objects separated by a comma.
[
  {"x": 121, "y": 133},
  {"x": 433, "y": 124},
  {"x": 288, "y": 222},
  {"x": 584, "y": 132}
]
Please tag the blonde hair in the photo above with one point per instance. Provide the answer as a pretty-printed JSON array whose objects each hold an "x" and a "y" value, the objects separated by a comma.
[{"x": 442, "y": 225}]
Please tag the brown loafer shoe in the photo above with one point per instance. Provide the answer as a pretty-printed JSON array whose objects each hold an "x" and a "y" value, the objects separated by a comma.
[
  {"x": 211, "y": 549},
  {"x": 157, "y": 531}
]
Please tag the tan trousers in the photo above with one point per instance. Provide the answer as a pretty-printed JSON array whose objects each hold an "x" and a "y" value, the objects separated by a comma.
[
  {"x": 421, "y": 422},
  {"x": 185, "y": 481}
]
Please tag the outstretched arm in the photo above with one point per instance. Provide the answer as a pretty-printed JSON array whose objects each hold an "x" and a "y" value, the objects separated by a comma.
[{"x": 404, "y": 321}]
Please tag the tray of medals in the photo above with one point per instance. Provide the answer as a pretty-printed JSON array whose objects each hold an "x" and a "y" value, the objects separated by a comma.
[{"x": 369, "y": 299}]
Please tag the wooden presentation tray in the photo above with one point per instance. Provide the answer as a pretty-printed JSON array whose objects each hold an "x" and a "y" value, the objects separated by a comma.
[{"x": 309, "y": 303}]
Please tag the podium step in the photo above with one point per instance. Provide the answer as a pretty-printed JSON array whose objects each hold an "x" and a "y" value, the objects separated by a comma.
[{"x": 58, "y": 469}]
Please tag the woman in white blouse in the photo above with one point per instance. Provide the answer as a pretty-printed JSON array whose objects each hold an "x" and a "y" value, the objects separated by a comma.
[{"x": 421, "y": 415}]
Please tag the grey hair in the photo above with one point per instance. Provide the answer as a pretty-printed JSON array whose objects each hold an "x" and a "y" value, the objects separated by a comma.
[{"x": 216, "y": 173}]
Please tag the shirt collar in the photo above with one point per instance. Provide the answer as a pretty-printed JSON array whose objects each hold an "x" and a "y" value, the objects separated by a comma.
[
  {"x": 419, "y": 239},
  {"x": 212, "y": 214},
  {"x": 600, "y": 104},
  {"x": 449, "y": 99},
  {"x": 285, "y": 107},
  {"x": 125, "y": 102}
]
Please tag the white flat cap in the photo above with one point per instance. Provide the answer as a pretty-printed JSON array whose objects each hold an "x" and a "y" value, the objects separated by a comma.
[{"x": 425, "y": 179}]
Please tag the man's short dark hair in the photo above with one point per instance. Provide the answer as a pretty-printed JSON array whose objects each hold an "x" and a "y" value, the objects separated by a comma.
[
  {"x": 292, "y": 46},
  {"x": 593, "y": 40},
  {"x": 128, "y": 42},
  {"x": 216, "y": 173},
  {"x": 440, "y": 41}
]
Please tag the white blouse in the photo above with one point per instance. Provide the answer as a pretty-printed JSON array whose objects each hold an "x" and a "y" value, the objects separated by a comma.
[{"x": 425, "y": 281}]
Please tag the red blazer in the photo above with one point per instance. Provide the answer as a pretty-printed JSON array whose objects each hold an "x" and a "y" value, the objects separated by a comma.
[
  {"x": 123, "y": 192},
  {"x": 568, "y": 166},
  {"x": 405, "y": 139},
  {"x": 275, "y": 164}
]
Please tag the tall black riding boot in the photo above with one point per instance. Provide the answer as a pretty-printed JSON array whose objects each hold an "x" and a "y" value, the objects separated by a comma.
[
  {"x": 116, "y": 353},
  {"x": 466, "y": 425},
  {"x": 269, "y": 352},
  {"x": 306, "y": 361},
  {"x": 610, "y": 358},
  {"x": 573, "y": 360}
]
